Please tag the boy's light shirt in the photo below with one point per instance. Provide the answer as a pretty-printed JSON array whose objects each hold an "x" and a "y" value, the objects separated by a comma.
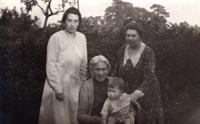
[{"x": 112, "y": 106}]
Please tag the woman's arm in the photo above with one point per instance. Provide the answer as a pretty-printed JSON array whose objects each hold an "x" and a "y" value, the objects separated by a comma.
[
  {"x": 149, "y": 77},
  {"x": 84, "y": 116},
  {"x": 105, "y": 111},
  {"x": 52, "y": 71},
  {"x": 83, "y": 67}
]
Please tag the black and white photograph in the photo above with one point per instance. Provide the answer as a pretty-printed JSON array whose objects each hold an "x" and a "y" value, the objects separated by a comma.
[{"x": 99, "y": 62}]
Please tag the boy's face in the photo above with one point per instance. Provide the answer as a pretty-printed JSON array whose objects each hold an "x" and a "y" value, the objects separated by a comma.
[{"x": 114, "y": 93}]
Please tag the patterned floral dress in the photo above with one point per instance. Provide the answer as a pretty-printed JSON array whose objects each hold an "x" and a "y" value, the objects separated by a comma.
[{"x": 142, "y": 77}]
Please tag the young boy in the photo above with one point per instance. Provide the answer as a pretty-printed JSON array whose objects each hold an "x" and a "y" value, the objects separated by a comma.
[{"x": 117, "y": 107}]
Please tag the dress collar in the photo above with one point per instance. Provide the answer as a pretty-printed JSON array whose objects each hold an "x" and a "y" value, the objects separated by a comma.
[{"x": 134, "y": 55}]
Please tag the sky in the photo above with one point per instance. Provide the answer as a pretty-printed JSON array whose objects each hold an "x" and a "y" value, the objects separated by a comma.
[{"x": 180, "y": 10}]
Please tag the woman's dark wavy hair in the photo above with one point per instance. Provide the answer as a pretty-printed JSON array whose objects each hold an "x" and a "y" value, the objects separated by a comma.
[
  {"x": 135, "y": 26},
  {"x": 71, "y": 10}
]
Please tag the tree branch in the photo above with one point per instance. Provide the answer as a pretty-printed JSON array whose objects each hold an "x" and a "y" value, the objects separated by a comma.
[
  {"x": 49, "y": 7},
  {"x": 40, "y": 7},
  {"x": 55, "y": 13}
]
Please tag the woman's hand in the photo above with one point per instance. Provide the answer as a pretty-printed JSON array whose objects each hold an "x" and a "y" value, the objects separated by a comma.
[
  {"x": 136, "y": 95},
  {"x": 60, "y": 96}
]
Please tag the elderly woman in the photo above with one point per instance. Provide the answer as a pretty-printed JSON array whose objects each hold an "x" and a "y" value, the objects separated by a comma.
[
  {"x": 136, "y": 65},
  {"x": 93, "y": 92}
]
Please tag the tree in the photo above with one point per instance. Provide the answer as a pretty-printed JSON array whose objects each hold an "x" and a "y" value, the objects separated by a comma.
[
  {"x": 159, "y": 10},
  {"x": 159, "y": 15},
  {"x": 47, "y": 8},
  {"x": 116, "y": 15}
]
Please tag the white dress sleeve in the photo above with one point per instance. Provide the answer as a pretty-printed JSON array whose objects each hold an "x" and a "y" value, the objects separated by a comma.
[
  {"x": 83, "y": 67},
  {"x": 52, "y": 70}
]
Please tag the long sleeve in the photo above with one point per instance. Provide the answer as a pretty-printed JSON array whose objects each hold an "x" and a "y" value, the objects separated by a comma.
[
  {"x": 83, "y": 67},
  {"x": 149, "y": 77},
  {"x": 83, "y": 100},
  {"x": 84, "y": 116},
  {"x": 52, "y": 70},
  {"x": 104, "y": 111}
]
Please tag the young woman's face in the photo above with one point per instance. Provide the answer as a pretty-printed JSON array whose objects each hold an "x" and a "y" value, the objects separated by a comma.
[
  {"x": 132, "y": 38},
  {"x": 100, "y": 71},
  {"x": 114, "y": 93},
  {"x": 71, "y": 23}
]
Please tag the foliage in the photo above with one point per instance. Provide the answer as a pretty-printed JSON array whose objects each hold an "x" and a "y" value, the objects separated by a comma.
[
  {"x": 23, "y": 51},
  {"x": 23, "y": 56},
  {"x": 46, "y": 7}
]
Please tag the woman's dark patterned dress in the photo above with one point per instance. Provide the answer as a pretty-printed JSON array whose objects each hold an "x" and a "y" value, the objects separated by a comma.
[{"x": 142, "y": 77}]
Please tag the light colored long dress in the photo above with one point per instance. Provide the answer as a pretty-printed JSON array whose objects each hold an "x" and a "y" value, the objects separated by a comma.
[{"x": 66, "y": 68}]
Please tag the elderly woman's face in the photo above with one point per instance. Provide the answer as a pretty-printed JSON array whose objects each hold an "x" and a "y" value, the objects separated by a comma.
[
  {"x": 100, "y": 71},
  {"x": 132, "y": 38}
]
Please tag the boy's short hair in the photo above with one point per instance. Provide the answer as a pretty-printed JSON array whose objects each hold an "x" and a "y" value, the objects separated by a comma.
[{"x": 117, "y": 82}]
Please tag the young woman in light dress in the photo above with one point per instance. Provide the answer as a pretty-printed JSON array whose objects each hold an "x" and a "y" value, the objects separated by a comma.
[{"x": 66, "y": 68}]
